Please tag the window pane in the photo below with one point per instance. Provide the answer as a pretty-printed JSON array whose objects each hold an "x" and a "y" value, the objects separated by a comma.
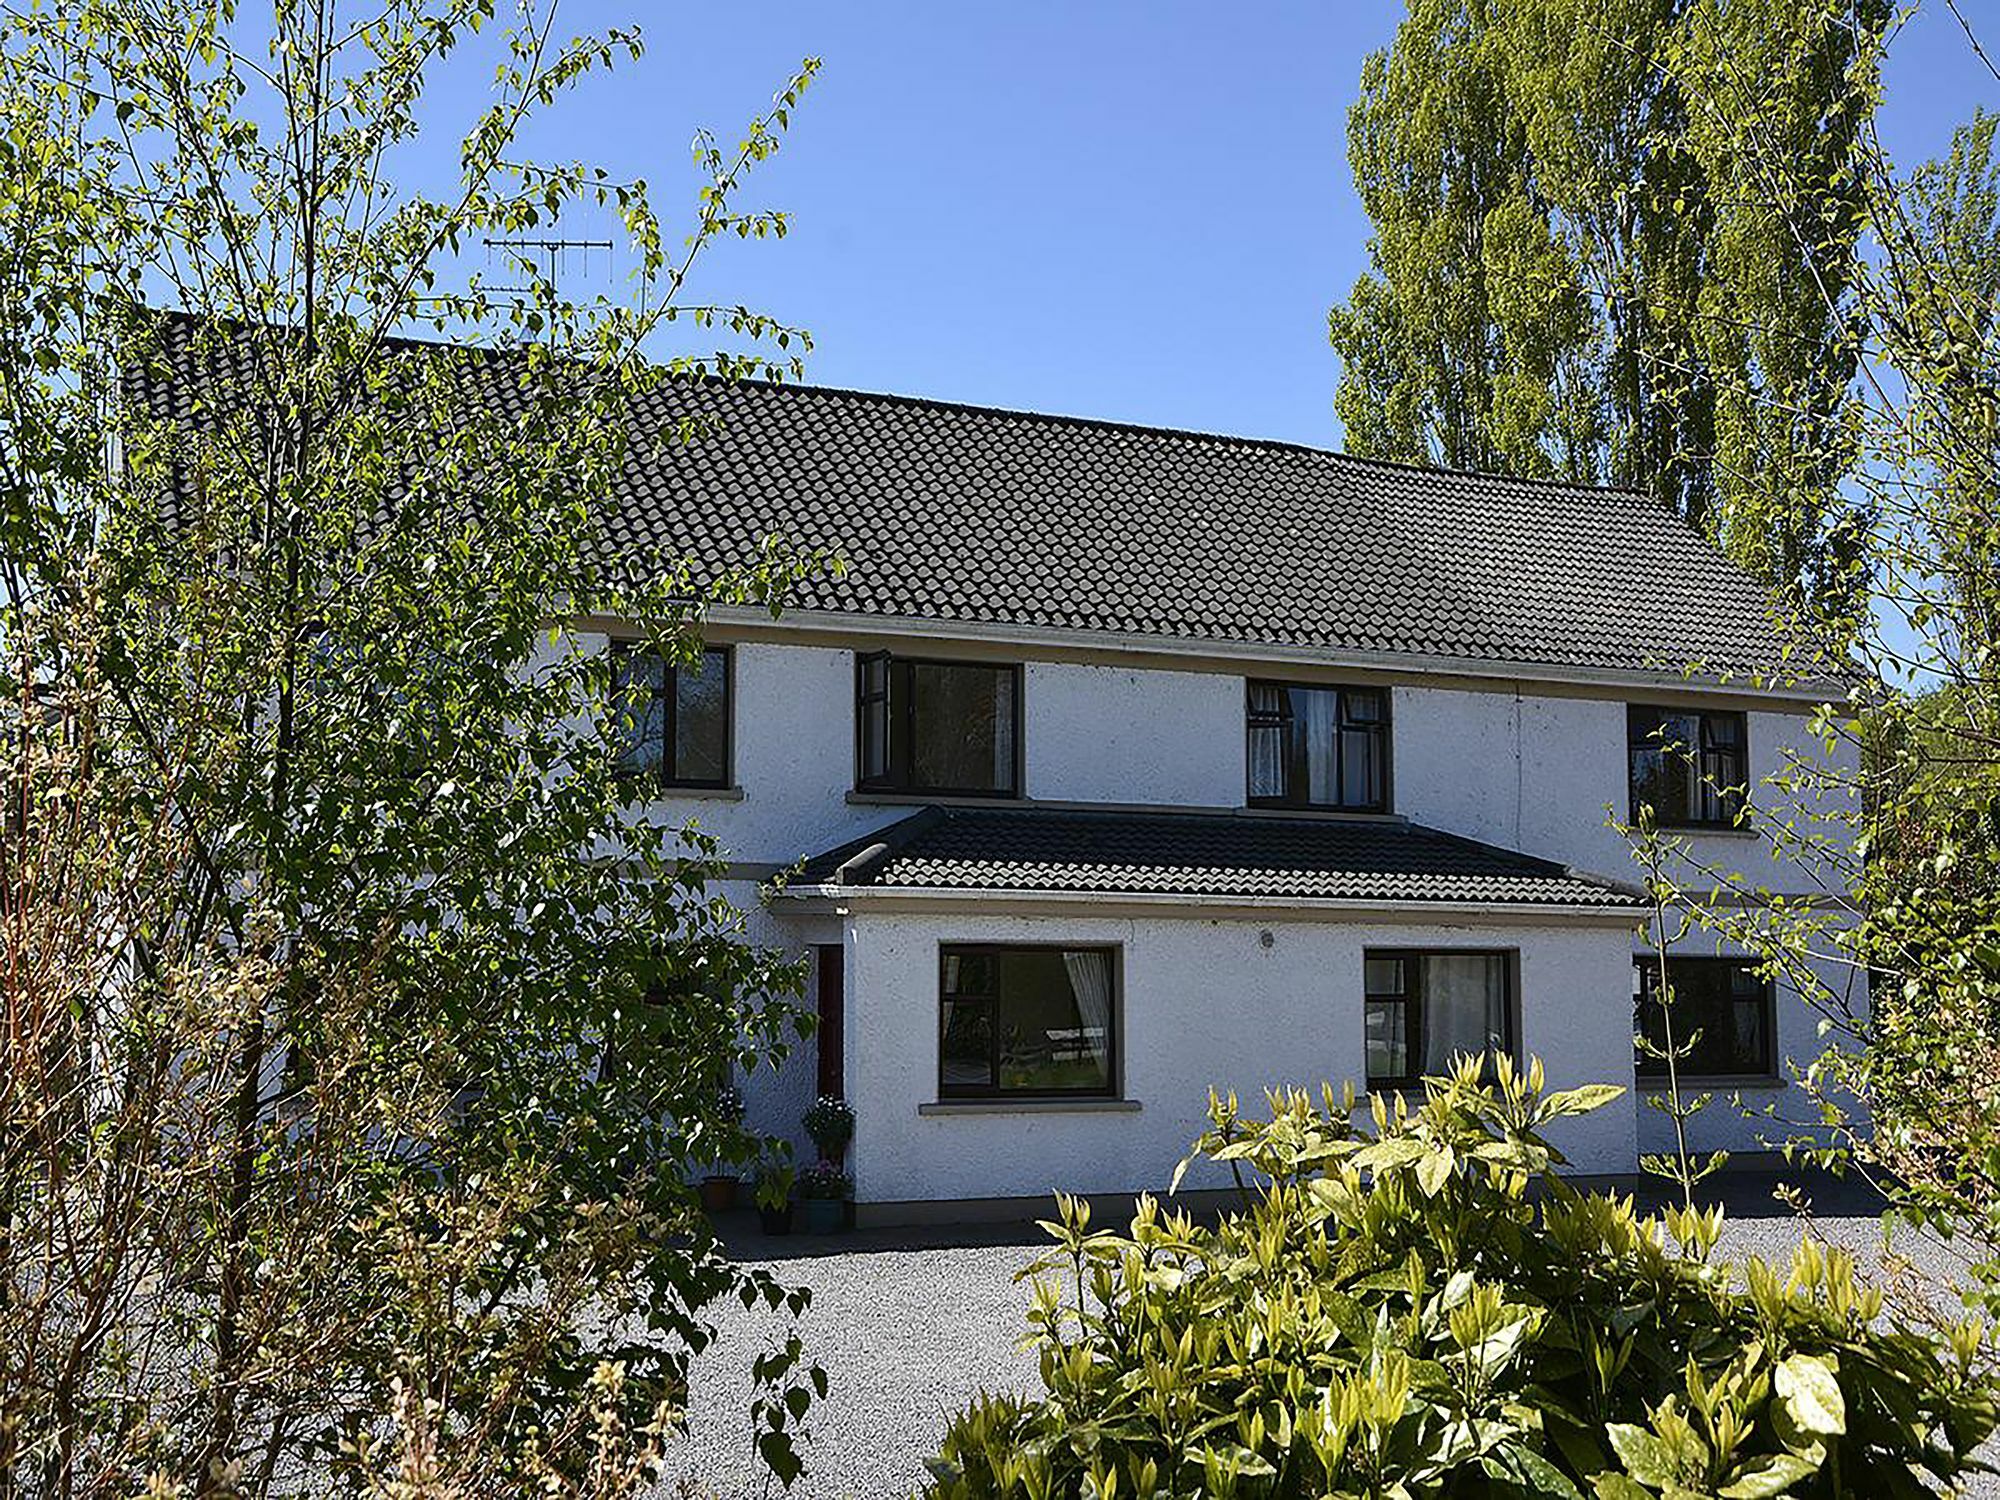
[
  {"x": 965, "y": 1058},
  {"x": 1722, "y": 1007},
  {"x": 1268, "y": 741},
  {"x": 1364, "y": 706},
  {"x": 1464, "y": 1007},
  {"x": 1054, "y": 1020},
  {"x": 1722, "y": 767},
  {"x": 701, "y": 719},
  {"x": 963, "y": 732},
  {"x": 1388, "y": 1049},
  {"x": 873, "y": 709},
  {"x": 1267, "y": 761},
  {"x": 1360, "y": 768},
  {"x": 1049, "y": 1017},
  {"x": 639, "y": 712},
  {"x": 1384, "y": 976}
]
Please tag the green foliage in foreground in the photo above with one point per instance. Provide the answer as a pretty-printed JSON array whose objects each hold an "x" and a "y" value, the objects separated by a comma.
[{"x": 1392, "y": 1313}]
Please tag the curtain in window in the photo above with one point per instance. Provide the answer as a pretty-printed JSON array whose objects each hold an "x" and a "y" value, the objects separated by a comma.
[
  {"x": 1316, "y": 722},
  {"x": 1463, "y": 997},
  {"x": 1090, "y": 978}
]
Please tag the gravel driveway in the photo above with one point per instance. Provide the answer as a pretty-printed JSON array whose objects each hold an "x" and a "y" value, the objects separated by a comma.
[{"x": 911, "y": 1324}]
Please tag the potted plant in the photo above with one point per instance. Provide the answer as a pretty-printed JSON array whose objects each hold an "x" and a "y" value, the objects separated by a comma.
[
  {"x": 718, "y": 1188},
  {"x": 830, "y": 1123},
  {"x": 824, "y": 1190},
  {"x": 774, "y": 1200}
]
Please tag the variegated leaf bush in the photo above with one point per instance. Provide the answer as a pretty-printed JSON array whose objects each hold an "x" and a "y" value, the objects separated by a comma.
[{"x": 1423, "y": 1306}]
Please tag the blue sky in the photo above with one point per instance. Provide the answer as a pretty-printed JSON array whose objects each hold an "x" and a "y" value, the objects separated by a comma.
[{"x": 1139, "y": 211}]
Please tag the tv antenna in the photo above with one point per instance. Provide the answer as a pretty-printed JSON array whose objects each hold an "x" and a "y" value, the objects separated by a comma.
[{"x": 528, "y": 250}]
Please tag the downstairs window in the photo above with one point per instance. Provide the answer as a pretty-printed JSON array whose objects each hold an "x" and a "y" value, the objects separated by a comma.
[
  {"x": 1425, "y": 1008},
  {"x": 1027, "y": 1020},
  {"x": 1723, "y": 999}
]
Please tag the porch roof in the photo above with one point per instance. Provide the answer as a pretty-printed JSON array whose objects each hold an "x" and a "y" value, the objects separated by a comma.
[{"x": 1090, "y": 852}]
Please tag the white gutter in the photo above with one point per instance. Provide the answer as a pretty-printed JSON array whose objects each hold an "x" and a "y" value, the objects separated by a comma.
[{"x": 917, "y": 898}]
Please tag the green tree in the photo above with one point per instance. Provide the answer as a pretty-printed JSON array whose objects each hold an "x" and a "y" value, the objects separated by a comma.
[
  {"x": 1574, "y": 277},
  {"x": 360, "y": 1035},
  {"x": 1898, "y": 819}
]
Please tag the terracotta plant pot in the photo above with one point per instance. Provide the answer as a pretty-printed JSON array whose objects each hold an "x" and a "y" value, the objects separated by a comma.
[
  {"x": 825, "y": 1215},
  {"x": 718, "y": 1194}
]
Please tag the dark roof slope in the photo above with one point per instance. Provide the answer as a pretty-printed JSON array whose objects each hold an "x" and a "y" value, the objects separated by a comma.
[
  {"x": 1023, "y": 849},
  {"x": 960, "y": 513}
]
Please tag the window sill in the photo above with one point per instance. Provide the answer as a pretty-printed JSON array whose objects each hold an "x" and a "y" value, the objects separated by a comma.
[
  {"x": 705, "y": 793},
  {"x": 930, "y": 799},
  {"x": 1029, "y": 1107},
  {"x": 1708, "y": 830},
  {"x": 1324, "y": 814}
]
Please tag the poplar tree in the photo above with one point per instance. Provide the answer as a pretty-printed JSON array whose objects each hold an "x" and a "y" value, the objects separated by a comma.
[{"x": 1575, "y": 276}]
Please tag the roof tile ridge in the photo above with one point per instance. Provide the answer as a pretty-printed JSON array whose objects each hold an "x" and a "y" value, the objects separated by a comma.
[{"x": 1064, "y": 419}]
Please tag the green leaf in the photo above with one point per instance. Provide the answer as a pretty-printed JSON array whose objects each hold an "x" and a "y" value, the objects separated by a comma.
[
  {"x": 779, "y": 1455},
  {"x": 1528, "y": 1471},
  {"x": 1580, "y": 1101},
  {"x": 1768, "y": 1476},
  {"x": 1434, "y": 1170},
  {"x": 1645, "y": 1457},
  {"x": 1397, "y": 1151},
  {"x": 1806, "y": 1384}
]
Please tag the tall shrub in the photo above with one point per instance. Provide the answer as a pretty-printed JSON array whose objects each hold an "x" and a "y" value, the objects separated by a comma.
[{"x": 1426, "y": 1308}]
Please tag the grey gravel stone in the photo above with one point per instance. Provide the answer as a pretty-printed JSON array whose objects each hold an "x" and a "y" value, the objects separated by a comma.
[{"x": 911, "y": 1325}]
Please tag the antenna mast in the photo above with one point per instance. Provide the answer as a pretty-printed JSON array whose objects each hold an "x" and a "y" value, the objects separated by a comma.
[{"x": 527, "y": 249}]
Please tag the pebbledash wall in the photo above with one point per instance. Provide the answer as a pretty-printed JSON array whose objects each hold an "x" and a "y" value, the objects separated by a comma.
[
  {"x": 1207, "y": 1004},
  {"x": 1537, "y": 767}
]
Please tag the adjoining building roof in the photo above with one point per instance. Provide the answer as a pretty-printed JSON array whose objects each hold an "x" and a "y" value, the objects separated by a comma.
[
  {"x": 1057, "y": 851},
  {"x": 966, "y": 514}
]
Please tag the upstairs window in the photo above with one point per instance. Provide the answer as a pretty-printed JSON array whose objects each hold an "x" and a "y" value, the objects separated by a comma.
[
  {"x": 1722, "y": 1005},
  {"x": 1319, "y": 747},
  {"x": 938, "y": 728},
  {"x": 1426, "y": 1008},
  {"x": 1691, "y": 766},
  {"x": 670, "y": 720}
]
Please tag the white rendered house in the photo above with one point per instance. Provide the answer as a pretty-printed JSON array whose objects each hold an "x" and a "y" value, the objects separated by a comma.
[
  {"x": 1121, "y": 764},
  {"x": 1124, "y": 764}
]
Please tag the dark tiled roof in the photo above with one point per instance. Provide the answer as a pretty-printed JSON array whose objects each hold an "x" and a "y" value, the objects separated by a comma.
[
  {"x": 1197, "y": 854},
  {"x": 960, "y": 513}
]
